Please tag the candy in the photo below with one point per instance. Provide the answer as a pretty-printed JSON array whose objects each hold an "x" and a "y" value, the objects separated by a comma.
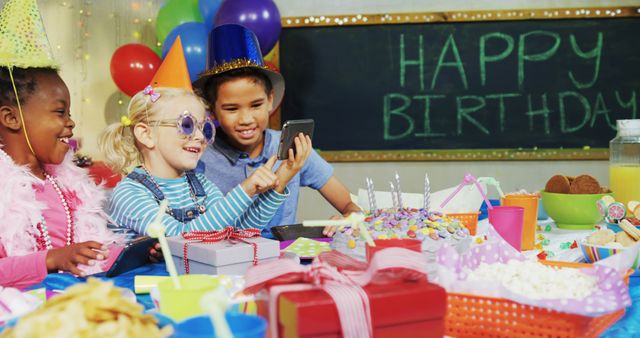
[
  {"x": 547, "y": 228},
  {"x": 351, "y": 244},
  {"x": 565, "y": 245},
  {"x": 434, "y": 236},
  {"x": 540, "y": 237},
  {"x": 411, "y": 234},
  {"x": 542, "y": 255},
  {"x": 546, "y": 242},
  {"x": 616, "y": 211},
  {"x": 413, "y": 227},
  {"x": 574, "y": 245},
  {"x": 479, "y": 240}
]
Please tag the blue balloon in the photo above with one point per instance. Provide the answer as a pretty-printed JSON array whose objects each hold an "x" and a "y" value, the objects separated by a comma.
[
  {"x": 208, "y": 9},
  {"x": 194, "y": 36}
]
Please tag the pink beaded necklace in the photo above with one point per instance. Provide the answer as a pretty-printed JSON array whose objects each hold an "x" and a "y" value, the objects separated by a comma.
[{"x": 44, "y": 240}]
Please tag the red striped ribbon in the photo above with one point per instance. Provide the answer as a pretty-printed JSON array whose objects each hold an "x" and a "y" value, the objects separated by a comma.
[
  {"x": 342, "y": 277},
  {"x": 229, "y": 233}
]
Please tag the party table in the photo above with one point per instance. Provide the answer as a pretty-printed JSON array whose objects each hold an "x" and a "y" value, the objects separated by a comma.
[{"x": 628, "y": 326}]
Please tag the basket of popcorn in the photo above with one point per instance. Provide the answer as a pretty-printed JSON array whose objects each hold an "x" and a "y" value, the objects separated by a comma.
[{"x": 494, "y": 291}]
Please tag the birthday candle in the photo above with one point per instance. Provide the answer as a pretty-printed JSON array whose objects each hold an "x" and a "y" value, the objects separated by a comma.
[
  {"x": 374, "y": 204},
  {"x": 369, "y": 193},
  {"x": 393, "y": 195},
  {"x": 427, "y": 193},
  {"x": 398, "y": 191}
]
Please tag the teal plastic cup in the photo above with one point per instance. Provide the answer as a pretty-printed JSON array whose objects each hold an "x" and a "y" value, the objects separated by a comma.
[{"x": 242, "y": 326}]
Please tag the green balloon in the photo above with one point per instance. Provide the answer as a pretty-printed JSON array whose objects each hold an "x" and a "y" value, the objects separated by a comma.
[{"x": 174, "y": 13}]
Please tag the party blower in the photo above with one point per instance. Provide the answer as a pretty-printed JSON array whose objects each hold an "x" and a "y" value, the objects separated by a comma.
[
  {"x": 355, "y": 220},
  {"x": 156, "y": 230}
]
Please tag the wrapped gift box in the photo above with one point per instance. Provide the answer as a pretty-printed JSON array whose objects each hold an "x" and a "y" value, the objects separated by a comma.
[
  {"x": 231, "y": 257},
  {"x": 406, "y": 309}
]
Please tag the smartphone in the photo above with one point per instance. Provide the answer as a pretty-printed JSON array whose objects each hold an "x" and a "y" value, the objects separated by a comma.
[
  {"x": 135, "y": 254},
  {"x": 293, "y": 231},
  {"x": 290, "y": 130}
]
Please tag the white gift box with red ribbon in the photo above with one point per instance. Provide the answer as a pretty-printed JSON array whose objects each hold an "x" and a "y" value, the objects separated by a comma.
[{"x": 229, "y": 251}]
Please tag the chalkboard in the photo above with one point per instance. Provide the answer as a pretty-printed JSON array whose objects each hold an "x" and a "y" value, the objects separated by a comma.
[{"x": 527, "y": 84}]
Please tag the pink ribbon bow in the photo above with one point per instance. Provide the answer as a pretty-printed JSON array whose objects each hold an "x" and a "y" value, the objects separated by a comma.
[
  {"x": 228, "y": 233},
  {"x": 342, "y": 277},
  {"x": 148, "y": 90}
]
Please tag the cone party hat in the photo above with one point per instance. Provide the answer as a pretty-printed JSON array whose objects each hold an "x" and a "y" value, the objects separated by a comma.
[
  {"x": 23, "y": 40},
  {"x": 173, "y": 71}
]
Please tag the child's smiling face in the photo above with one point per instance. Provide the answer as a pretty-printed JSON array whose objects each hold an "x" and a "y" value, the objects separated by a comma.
[
  {"x": 48, "y": 119},
  {"x": 180, "y": 152},
  {"x": 242, "y": 107}
]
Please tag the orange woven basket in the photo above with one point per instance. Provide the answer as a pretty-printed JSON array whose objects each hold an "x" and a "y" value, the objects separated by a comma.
[
  {"x": 477, "y": 316},
  {"x": 469, "y": 219}
]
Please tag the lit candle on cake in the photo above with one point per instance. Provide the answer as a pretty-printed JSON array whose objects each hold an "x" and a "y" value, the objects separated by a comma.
[{"x": 427, "y": 193}]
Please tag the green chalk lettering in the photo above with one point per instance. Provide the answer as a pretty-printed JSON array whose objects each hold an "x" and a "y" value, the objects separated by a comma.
[
  {"x": 463, "y": 111},
  {"x": 450, "y": 44},
  {"x": 397, "y": 111},
  {"x": 631, "y": 104},
  {"x": 404, "y": 62},
  {"x": 484, "y": 58},
  {"x": 426, "y": 127},
  {"x": 564, "y": 128},
  {"x": 599, "y": 108},
  {"x": 502, "y": 111},
  {"x": 595, "y": 53},
  {"x": 544, "y": 112},
  {"x": 523, "y": 57}
]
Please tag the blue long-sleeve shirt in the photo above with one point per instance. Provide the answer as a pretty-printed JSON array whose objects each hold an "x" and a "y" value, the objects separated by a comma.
[{"x": 134, "y": 206}]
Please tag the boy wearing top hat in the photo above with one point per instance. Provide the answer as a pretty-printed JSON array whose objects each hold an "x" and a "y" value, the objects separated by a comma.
[{"x": 242, "y": 92}]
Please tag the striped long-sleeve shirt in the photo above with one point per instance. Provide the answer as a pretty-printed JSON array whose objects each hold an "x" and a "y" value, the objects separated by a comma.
[{"x": 134, "y": 206}]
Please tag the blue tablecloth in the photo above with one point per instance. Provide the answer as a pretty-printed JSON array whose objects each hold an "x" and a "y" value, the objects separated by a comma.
[{"x": 628, "y": 326}]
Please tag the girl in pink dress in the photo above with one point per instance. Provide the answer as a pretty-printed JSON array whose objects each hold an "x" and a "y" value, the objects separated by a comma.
[{"x": 51, "y": 216}]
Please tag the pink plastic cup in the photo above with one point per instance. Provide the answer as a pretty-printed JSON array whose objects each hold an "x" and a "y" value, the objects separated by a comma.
[{"x": 508, "y": 223}]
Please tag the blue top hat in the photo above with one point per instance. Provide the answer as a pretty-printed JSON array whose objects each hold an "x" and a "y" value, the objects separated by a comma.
[{"x": 232, "y": 47}]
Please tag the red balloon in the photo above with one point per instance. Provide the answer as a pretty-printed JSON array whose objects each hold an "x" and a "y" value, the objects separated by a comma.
[{"x": 133, "y": 66}]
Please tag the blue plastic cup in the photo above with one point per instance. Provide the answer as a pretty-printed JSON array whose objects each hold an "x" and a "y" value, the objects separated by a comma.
[{"x": 241, "y": 325}]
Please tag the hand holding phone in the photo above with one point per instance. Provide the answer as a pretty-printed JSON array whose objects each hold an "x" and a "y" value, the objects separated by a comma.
[
  {"x": 134, "y": 254},
  {"x": 290, "y": 130}
]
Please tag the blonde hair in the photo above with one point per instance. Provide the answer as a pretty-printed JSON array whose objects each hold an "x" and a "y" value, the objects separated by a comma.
[{"x": 118, "y": 143}]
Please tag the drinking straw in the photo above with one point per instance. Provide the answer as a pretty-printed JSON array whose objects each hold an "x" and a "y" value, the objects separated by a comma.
[
  {"x": 491, "y": 181},
  {"x": 156, "y": 230},
  {"x": 215, "y": 303},
  {"x": 468, "y": 179},
  {"x": 355, "y": 220}
]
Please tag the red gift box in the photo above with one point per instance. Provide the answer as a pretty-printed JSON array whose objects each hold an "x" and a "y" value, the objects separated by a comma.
[
  {"x": 409, "y": 309},
  {"x": 337, "y": 296}
]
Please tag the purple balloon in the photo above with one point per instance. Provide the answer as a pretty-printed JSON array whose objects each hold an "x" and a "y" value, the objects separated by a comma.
[{"x": 260, "y": 16}]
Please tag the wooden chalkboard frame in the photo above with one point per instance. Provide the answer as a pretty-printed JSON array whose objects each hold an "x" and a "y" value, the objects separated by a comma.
[{"x": 529, "y": 154}]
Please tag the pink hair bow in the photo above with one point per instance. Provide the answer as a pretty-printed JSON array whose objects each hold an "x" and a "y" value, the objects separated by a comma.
[{"x": 148, "y": 90}]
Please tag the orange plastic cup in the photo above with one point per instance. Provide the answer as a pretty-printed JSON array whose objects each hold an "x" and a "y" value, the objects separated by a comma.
[
  {"x": 530, "y": 204},
  {"x": 411, "y": 244}
]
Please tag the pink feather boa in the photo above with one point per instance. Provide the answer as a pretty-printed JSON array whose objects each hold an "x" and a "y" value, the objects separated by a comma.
[{"x": 20, "y": 212}]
